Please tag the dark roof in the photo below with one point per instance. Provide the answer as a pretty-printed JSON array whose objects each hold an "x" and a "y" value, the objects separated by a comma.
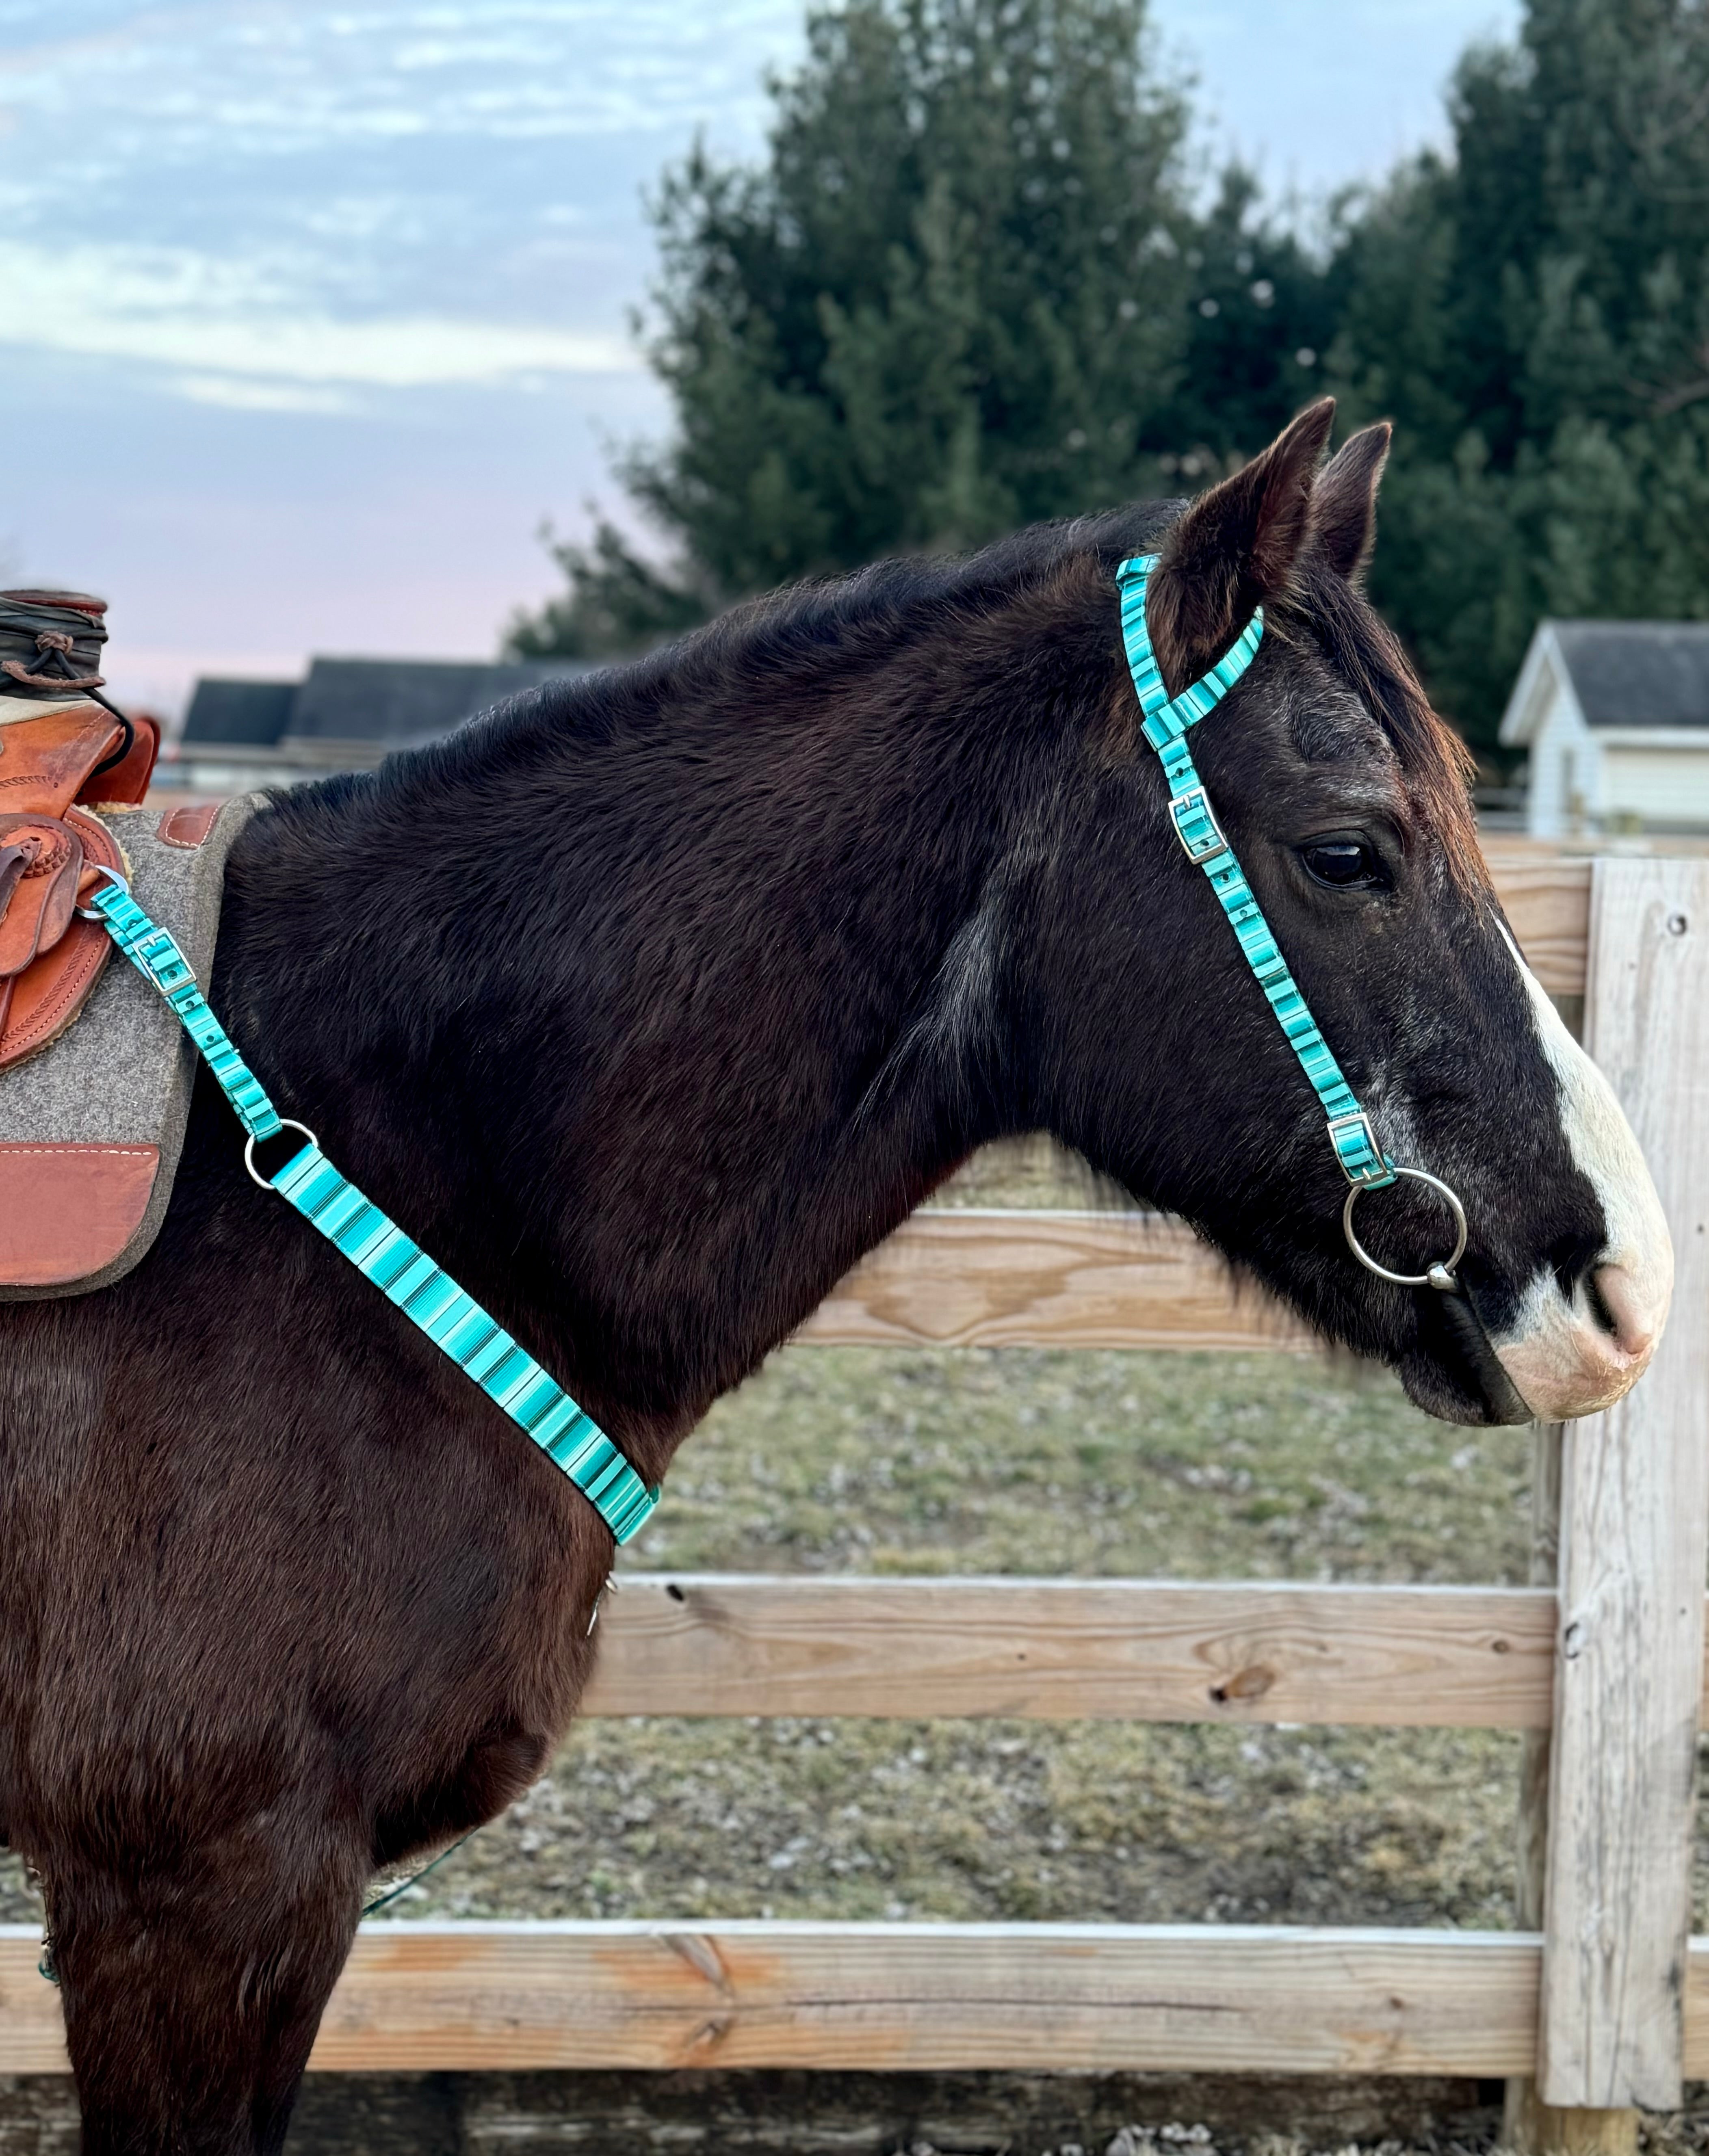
[
  {"x": 253, "y": 712},
  {"x": 1638, "y": 673},
  {"x": 388, "y": 701},
  {"x": 398, "y": 700}
]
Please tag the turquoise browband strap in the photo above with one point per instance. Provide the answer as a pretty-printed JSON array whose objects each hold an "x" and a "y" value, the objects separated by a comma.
[
  {"x": 1166, "y": 721},
  {"x": 355, "y": 1225}
]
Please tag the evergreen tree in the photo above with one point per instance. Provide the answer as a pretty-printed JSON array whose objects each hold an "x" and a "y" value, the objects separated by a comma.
[
  {"x": 965, "y": 290},
  {"x": 1258, "y": 325},
  {"x": 616, "y": 602},
  {"x": 1535, "y": 315}
]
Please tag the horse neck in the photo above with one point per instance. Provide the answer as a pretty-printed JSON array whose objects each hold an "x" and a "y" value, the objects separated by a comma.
[{"x": 646, "y": 1036}]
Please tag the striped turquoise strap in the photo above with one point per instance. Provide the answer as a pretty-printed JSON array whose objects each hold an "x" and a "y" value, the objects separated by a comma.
[
  {"x": 475, "y": 1342},
  {"x": 1166, "y": 721},
  {"x": 383, "y": 1253},
  {"x": 159, "y": 961}
]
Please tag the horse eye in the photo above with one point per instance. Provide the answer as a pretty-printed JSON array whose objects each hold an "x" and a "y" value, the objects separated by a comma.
[{"x": 1344, "y": 865}]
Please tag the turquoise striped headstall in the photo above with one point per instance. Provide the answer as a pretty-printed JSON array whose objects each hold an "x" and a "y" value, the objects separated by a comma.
[
  {"x": 1166, "y": 721},
  {"x": 379, "y": 1250}
]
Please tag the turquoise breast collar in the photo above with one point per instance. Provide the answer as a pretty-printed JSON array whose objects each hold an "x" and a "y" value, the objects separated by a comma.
[
  {"x": 1165, "y": 720},
  {"x": 380, "y": 1251}
]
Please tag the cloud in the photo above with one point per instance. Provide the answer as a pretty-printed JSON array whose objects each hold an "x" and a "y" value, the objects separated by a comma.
[
  {"x": 240, "y": 393},
  {"x": 178, "y": 308},
  {"x": 288, "y": 74}
]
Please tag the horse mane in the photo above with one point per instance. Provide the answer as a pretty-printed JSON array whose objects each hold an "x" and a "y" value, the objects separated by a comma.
[
  {"x": 839, "y": 623},
  {"x": 832, "y": 629}
]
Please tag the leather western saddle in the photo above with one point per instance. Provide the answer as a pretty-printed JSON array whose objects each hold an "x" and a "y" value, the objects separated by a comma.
[
  {"x": 92, "y": 1116},
  {"x": 62, "y": 751}
]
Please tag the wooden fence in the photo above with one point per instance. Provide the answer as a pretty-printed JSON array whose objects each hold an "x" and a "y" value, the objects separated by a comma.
[{"x": 1600, "y": 2004}]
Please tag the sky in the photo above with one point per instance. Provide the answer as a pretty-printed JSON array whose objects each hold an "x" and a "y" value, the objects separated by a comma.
[{"x": 318, "y": 310}]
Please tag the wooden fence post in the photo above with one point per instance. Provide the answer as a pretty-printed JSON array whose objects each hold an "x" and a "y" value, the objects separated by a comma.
[
  {"x": 1633, "y": 1535},
  {"x": 1529, "y": 2125}
]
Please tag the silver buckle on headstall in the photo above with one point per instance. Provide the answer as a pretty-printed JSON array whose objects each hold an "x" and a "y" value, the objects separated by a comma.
[
  {"x": 1205, "y": 836},
  {"x": 1377, "y": 1170}
]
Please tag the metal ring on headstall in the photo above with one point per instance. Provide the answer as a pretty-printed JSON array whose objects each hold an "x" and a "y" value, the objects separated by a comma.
[
  {"x": 1439, "y": 1275},
  {"x": 286, "y": 1123}
]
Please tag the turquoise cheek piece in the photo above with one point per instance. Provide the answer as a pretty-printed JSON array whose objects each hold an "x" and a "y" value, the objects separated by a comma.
[
  {"x": 381, "y": 1251},
  {"x": 1166, "y": 721}
]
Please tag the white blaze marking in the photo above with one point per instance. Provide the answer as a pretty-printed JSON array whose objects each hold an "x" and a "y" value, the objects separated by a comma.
[{"x": 1559, "y": 1356}]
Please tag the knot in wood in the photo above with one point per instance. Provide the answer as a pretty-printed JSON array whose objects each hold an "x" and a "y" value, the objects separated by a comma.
[{"x": 1250, "y": 1683}]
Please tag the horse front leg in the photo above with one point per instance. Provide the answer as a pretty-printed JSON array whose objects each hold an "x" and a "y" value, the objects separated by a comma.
[{"x": 193, "y": 1995}]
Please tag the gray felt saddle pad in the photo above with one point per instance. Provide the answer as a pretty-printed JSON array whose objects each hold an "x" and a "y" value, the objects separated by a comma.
[{"x": 117, "y": 1082}]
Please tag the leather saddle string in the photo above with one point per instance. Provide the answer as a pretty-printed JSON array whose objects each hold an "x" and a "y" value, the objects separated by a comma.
[
  {"x": 14, "y": 860},
  {"x": 67, "y": 763}
]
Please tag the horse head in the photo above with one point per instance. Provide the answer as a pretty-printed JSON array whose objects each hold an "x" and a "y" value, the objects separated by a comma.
[{"x": 1344, "y": 799}]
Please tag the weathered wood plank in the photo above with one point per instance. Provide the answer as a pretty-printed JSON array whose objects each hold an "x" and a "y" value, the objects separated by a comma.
[
  {"x": 1634, "y": 1529},
  {"x": 935, "y": 1996},
  {"x": 482, "y": 1995},
  {"x": 869, "y": 1996},
  {"x": 32, "y": 2031},
  {"x": 1217, "y": 1999},
  {"x": 1147, "y": 1651},
  {"x": 1547, "y": 905},
  {"x": 1529, "y": 2125},
  {"x": 1034, "y": 1278}
]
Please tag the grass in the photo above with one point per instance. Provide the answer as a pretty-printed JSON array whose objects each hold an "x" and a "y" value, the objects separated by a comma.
[{"x": 1011, "y": 1459}]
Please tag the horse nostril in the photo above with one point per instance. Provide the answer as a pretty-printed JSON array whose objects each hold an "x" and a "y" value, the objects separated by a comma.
[{"x": 1621, "y": 1310}]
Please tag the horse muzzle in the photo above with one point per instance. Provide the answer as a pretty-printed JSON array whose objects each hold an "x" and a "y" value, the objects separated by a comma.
[
  {"x": 1567, "y": 1352},
  {"x": 1570, "y": 1357}
]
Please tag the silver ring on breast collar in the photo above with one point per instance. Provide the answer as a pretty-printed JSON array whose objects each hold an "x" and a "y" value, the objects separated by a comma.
[
  {"x": 1440, "y": 1276},
  {"x": 289, "y": 1123}
]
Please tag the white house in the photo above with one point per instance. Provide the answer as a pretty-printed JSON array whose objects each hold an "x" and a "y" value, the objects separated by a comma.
[{"x": 1616, "y": 717}]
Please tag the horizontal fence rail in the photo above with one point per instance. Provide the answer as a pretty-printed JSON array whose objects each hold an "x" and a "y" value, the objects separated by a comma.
[
  {"x": 942, "y": 1997},
  {"x": 1547, "y": 905},
  {"x": 1079, "y": 1650},
  {"x": 978, "y": 1278},
  {"x": 1065, "y": 1649}
]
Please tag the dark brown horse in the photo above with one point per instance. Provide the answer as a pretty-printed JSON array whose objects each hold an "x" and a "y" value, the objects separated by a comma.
[{"x": 647, "y": 1005}]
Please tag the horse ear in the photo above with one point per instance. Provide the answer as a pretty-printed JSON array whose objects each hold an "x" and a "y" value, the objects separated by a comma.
[
  {"x": 1344, "y": 501},
  {"x": 1234, "y": 548}
]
